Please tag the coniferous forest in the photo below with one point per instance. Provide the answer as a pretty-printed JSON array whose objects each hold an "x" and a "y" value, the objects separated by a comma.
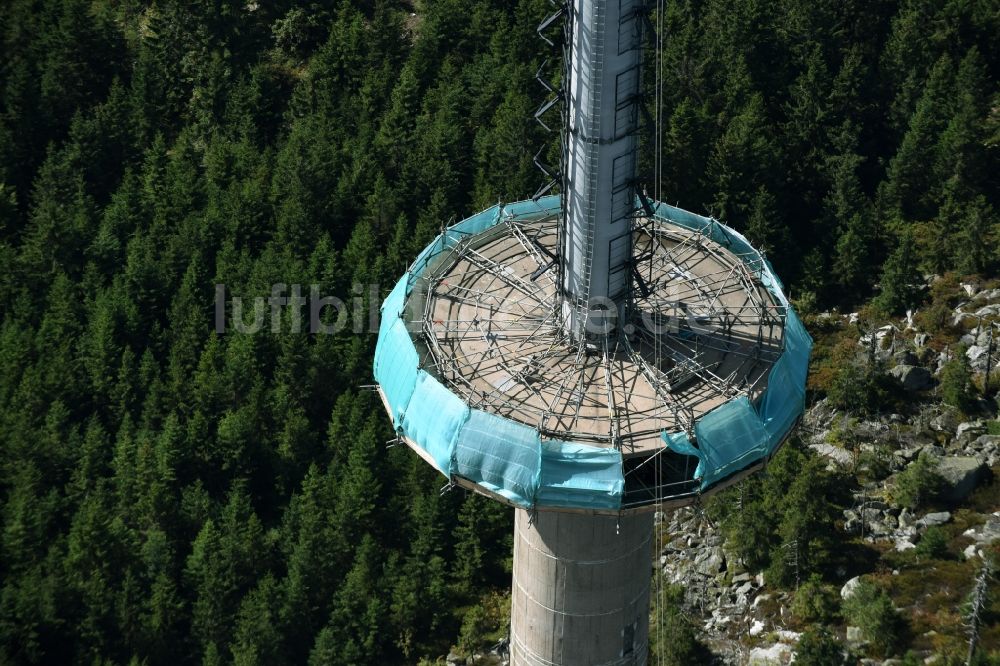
[{"x": 173, "y": 494}]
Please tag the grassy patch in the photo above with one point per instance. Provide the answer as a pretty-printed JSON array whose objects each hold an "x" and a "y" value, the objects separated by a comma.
[
  {"x": 832, "y": 348},
  {"x": 930, "y": 593},
  {"x": 855, "y": 556},
  {"x": 962, "y": 519}
]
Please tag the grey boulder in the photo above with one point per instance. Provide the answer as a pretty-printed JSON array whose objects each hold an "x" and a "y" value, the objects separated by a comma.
[
  {"x": 913, "y": 377},
  {"x": 961, "y": 475}
]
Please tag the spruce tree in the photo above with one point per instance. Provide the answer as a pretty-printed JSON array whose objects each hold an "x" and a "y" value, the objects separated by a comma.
[{"x": 900, "y": 285}]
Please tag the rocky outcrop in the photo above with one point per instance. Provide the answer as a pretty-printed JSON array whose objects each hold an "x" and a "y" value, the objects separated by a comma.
[
  {"x": 847, "y": 591},
  {"x": 717, "y": 589},
  {"x": 775, "y": 655},
  {"x": 935, "y": 519},
  {"x": 913, "y": 377},
  {"x": 838, "y": 455},
  {"x": 970, "y": 430},
  {"x": 741, "y": 618},
  {"x": 961, "y": 475},
  {"x": 983, "y": 535}
]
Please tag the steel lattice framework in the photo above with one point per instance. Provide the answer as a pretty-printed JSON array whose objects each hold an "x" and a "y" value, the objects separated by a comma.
[{"x": 700, "y": 330}]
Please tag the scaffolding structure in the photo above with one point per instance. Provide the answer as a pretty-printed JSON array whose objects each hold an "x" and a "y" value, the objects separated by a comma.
[{"x": 703, "y": 373}]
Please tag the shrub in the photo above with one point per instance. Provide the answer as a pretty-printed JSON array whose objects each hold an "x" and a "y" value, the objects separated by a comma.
[
  {"x": 871, "y": 610},
  {"x": 672, "y": 638},
  {"x": 830, "y": 353},
  {"x": 818, "y": 647},
  {"x": 484, "y": 623},
  {"x": 849, "y": 388},
  {"x": 475, "y": 628},
  {"x": 947, "y": 290},
  {"x": 935, "y": 319},
  {"x": 679, "y": 645},
  {"x": 815, "y": 602},
  {"x": 876, "y": 463},
  {"x": 917, "y": 484},
  {"x": 806, "y": 304},
  {"x": 956, "y": 383},
  {"x": 933, "y": 544},
  {"x": 859, "y": 390}
]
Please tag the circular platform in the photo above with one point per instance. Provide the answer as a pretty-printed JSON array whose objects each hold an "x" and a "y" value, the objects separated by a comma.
[
  {"x": 701, "y": 330},
  {"x": 700, "y": 376}
]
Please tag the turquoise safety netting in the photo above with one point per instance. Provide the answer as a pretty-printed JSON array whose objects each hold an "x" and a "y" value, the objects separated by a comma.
[
  {"x": 396, "y": 359},
  {"x": 511, "y": 460},
  {"x": 544, "y": 207},
  {"x": 433, "y": 419},
  {"x": 501, "y": 455},
  {"x": 580, "y": 476},
  {"x": 730, "y": 437},
  {"x": 679, "y": 442},
  {"x": 478, "y": 223},
  {"x": 783, "y": 401}
]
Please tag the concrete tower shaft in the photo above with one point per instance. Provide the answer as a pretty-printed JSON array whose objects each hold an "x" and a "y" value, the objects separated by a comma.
[
  {"x": 581, "y": 589},
  {"x": 600, "y": 163}
]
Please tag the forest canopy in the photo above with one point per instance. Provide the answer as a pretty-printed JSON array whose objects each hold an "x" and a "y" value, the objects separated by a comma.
[{"x": 169, "y": 494}]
